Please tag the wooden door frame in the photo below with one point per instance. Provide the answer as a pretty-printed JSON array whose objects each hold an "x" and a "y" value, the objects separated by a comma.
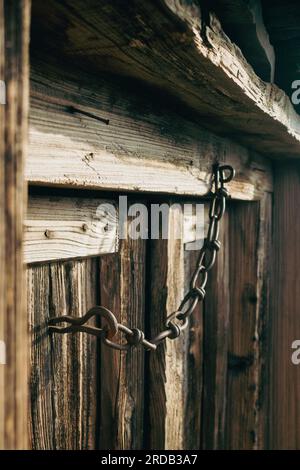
[{"x": 14, "y": 71}]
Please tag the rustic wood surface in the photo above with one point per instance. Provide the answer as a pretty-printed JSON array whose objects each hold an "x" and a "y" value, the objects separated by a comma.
[
  {"x": 242, "y": 342},
  {"x": 166, "y": 44},
  {"x": 185, "y": 396},
  {"x": 59, "y": 228},
  {"x": 77, "y": 402},
  {"x": 285, "y": 376},
  {"x": 2, "y": 231},
  {"x": 161, "y": 147},
  {"x": 194, "y": 367},
  {"x": 167, "y": 368},
  {"x": 63, "y": 379},
  {"x": 237, "y": 332},
  {"x": 149, "y": 145},
  {"x": 122, "y": 289},
  {"x": 216, "y": 333},
  {"x": 14, "y": 47},
  {"x": 264, "y": 319},
  {"x": 246, "y": 389}
]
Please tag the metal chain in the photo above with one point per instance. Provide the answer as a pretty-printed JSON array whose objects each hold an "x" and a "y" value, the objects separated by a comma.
[{"x": 177, "y": 321}]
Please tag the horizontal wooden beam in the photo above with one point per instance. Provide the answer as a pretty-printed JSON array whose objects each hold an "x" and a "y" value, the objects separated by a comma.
[
  {"x": 148, "y": 146},
  {"x": 62, "y": 228},
  {"x": 170, "y": 45}
]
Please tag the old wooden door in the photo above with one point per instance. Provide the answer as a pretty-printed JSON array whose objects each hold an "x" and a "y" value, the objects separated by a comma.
[
  {"x": 95, "y": 134},
  {"x": 204, "y": 390}
]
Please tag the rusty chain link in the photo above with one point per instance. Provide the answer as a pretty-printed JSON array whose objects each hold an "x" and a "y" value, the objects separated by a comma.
[{"x": 177, "y": 321}]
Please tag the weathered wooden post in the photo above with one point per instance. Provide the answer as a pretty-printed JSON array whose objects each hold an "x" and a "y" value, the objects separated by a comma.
[{"x": 14, "y": 72}]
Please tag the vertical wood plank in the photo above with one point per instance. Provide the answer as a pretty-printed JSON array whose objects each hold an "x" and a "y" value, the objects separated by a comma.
[
  {"x": 242, "y": 345},
  {"x": 63, "y": 367},
  {"x": 247, "y": 312},
  {"x": 167, "y": 366},
  {"x": 2, "y": 232},
  {"x": 216, "y": 324},
  {"x": 285, "y": 376},
  {"x": 122, "y": 288},
  {"x": 194, "y": 370},
  {"x": 14, "y": 48},
  {"x": 264, "y": 273}
]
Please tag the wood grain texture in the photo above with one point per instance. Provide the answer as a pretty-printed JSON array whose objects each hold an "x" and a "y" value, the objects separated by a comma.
[
  {"x": 14, "y": 47},
  {"x": 216, "y": 334},
  {"x": 150, "y": 144},
  {"x": 63, "y": 378},
  {"x": 194, "y": 368},
  {"x": 167, "y": 45},
  {"x": 264, "y": 319},
  {"x": 242, "y": 343},
  {"x": 167, "y": 367},
  {"x": 285, "y": 377},
  {"x": 60, "y": 228},
  {"x": 122, "y": 289},
  {"x": 247, "y": 314},
  {"x": 2, "y": 232}
]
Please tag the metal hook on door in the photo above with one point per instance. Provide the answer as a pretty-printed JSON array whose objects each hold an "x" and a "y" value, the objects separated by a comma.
[
  {"x": 78, "y": 323},
  {"x": 133, "y": 336}
]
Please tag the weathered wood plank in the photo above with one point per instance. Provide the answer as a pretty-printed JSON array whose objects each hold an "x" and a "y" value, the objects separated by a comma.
[
  {"x": 2, "y": 231},
  {"x": 191, "y": 60},
  {"x": 63, "y": 367},
  {"x": 243, "y": 342},
  {"x": 216, "y": 334},
  {"x": 122, "y": 289},
  {"x": 61, "y": 228},
  {"x": 194, "y": 368},
  {"x": 235, "y": 405},
  {"x": 167, "y": 367},
  {"x": 148, "y": 145},
  {"x": 14, "y": 47},
  {"x": 264, "y": 319},
  {"x": 285, "y": 297}
]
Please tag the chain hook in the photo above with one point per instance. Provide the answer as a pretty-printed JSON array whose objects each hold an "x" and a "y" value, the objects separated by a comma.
[
  {"x": 219, "y": 175},
  {"x": 223, "y": 170}
]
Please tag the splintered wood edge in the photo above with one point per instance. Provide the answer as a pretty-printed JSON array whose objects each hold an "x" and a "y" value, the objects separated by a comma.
[{"x": 264, "y": 103}]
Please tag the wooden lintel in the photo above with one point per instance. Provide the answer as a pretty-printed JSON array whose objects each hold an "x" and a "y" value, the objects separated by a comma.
[
  {"x": 148, "y": 145},
  {"x": 192, "y": 61}
]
